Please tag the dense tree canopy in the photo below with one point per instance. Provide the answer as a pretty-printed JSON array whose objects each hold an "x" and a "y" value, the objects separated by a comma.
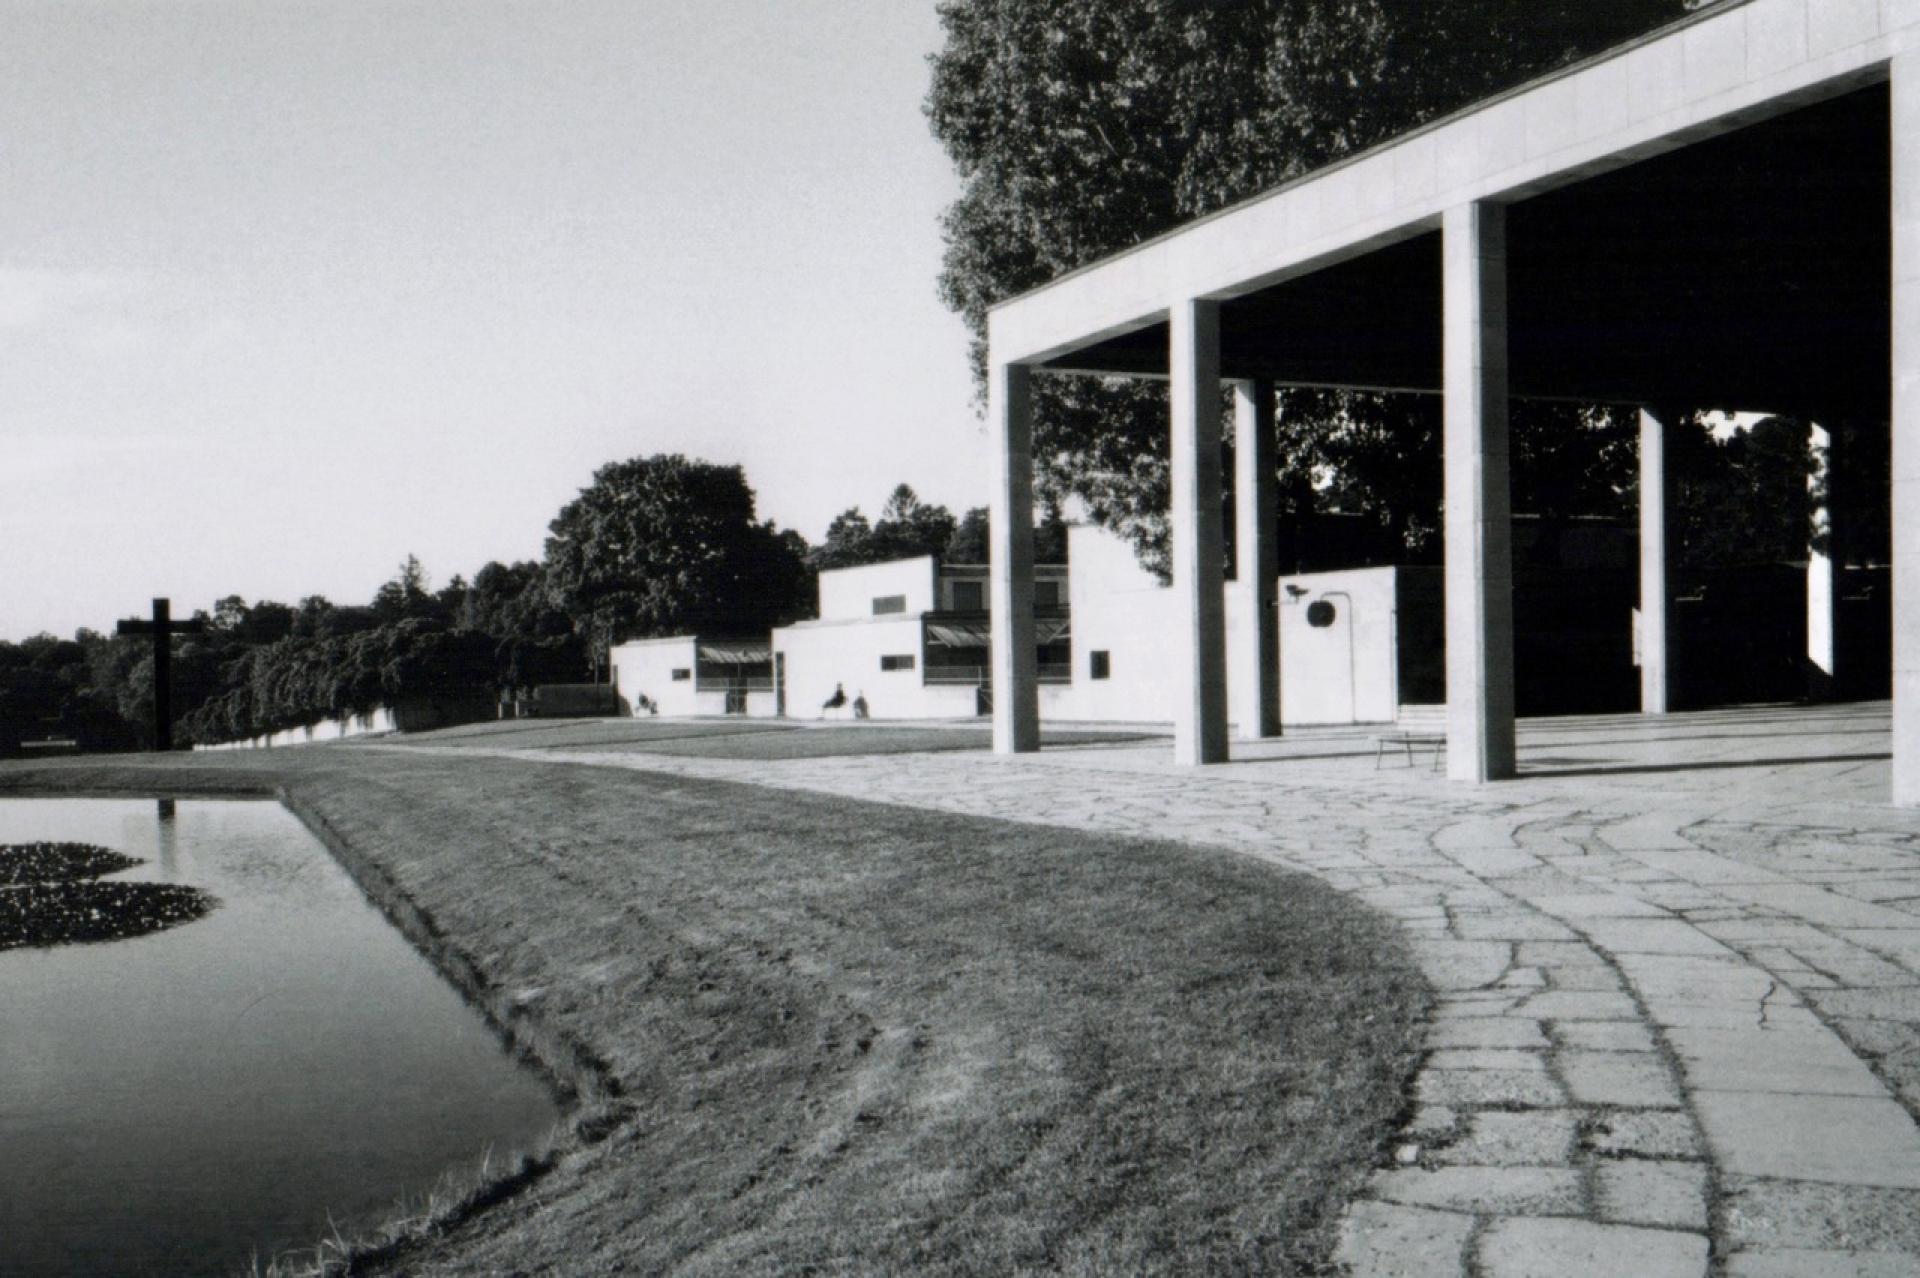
[
  {"x": 970, "y": 544},
  {"x": 665, "y": 545},
  {"x": 1081, "y": 127},
  {"x": 908, "y": 527}
]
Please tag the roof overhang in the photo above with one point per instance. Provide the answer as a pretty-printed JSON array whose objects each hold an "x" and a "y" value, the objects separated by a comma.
[{"x": 1701, "y": 217}]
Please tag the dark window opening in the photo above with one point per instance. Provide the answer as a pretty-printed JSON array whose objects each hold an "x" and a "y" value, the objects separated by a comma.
[
  {"x": 897, "y": 661},
  {"x": 884, "y": 604},
  {"x": 1100, "y": 665}
]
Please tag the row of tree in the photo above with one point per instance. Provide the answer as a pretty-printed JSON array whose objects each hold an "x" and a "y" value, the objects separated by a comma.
[
  {"x": 653, "y": 546},
  {"x": 1078, "y": 128}
]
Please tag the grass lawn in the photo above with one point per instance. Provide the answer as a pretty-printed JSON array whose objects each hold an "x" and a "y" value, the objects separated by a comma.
[
  {"x": 824, "y": 1036},
  {"x": 740, "y": 738}
]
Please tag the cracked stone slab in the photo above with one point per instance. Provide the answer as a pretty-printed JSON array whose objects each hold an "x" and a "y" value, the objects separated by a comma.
[
  {"x": 1491, "y": 1058},
  {"x": 1819, "y": 906},
  {"x": 1462, "y": 965},
  {"x": 1773, "y": 1214},
  {"x": 1870, "y": 1005},
  {"x": 1486, "y": 1031},
  {"x": 1604, "y": 1036},
  {"x": 1592, "y": 979},
  {"x": 1846, "y": 1140},
  {"x": 1761, "y": 1060},
  {"x": 1539, "y": 1138},
  {"x": 1532, "y": 1089},
  {"x": 1801, "y": 1262},
  {"x": 1523, "y": 1248},
  {"x": 1389, "y": 1240},
  {"x": 1579, "y": 1005},
  {"x": 1502, "y": 1189},
  {"x": 1618, "y": 1078},
  {"x": 1511, "y": 925},
  {"x": 1651, "y": 936},
  {"x": 1638, "y": 1192},
  {"x": 1597, "y": 905},
  {"x": 1645, "y": 1134}
]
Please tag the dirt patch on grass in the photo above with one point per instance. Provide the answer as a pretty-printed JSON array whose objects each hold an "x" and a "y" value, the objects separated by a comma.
[{"x": 862, "y": 1039}]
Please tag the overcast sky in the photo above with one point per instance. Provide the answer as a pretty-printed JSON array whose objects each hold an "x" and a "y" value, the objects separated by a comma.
[{"x": 289, "y": 291}]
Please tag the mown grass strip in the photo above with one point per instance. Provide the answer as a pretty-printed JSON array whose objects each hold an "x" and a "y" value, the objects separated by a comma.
[{"x": 857, "y": 1038}]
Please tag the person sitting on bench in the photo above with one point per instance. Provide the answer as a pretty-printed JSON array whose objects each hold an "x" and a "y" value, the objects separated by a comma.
[{"x": 835, "y": 702}]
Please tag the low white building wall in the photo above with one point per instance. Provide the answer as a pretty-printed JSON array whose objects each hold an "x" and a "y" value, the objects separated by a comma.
[
  {"x": 667, "y": 672},
  {"x": 820, "y": 655},
  {"x": 379, "y": 720},
  {"x": 659, "y": 669},
  {"x": 905, "y": 587},
  {"x": 1345, "y": 672}
]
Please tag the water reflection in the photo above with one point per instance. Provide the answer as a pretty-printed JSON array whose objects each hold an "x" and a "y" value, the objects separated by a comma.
[
  {"x": 175, "y": 1102},
  {"x": 167, "y": 838}
]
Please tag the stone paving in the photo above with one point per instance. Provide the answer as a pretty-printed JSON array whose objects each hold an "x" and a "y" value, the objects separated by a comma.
[{"x": 1678, "y": 964}]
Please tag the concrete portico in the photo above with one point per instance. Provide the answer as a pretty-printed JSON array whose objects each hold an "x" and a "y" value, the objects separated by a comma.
[{"x": 1721, "y": 215}]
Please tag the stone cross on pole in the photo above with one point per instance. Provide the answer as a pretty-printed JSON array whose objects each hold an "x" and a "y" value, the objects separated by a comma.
[{"x": 163, "y": 628}]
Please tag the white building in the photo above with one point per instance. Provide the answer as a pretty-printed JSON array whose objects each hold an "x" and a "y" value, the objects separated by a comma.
[
  {"x": 911, "y": 638},
  {"x": 1344, "y": 638},
  {"x": 689, "y": 674}
]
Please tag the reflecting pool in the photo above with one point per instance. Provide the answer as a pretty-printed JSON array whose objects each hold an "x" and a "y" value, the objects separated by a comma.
[{"x": 179, "y": 1102}]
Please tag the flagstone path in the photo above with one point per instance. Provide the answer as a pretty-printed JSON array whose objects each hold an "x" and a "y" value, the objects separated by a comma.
[{"x": 1678, "y": 1030}]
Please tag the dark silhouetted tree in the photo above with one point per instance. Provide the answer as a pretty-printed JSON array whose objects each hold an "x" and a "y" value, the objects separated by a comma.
[{"x": 1082, "y": 127}]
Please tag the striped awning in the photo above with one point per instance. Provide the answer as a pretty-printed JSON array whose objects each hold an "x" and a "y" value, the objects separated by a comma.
[
  {"x": 735, "y": 654},
  {"x": 978, "y": 634}
]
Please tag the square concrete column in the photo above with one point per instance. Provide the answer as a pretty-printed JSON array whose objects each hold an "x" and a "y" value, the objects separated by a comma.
[
  {"x": 1014, "y": 669},
  {"x": 1658, "y": 507},
  {"x": 1199, "y": 578},
  {"x": 1904, "y": 73},
  {"x": 1823, "y": 563},
  {"x": 1479, "y": 525},
  {"x": 1255, "y": 685}
]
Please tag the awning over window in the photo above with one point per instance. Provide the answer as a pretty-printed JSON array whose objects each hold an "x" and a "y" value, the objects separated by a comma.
[
  {"x": 734, "y": 654},
  {"x": 978, "y": 634},
  {"x": 959, "y": 634}
]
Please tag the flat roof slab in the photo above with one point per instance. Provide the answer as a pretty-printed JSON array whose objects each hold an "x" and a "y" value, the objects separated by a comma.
[{"x": 1748, "y": 270}]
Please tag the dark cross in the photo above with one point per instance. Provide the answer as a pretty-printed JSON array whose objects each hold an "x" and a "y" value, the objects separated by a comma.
[{"x": 163, "y": 628}]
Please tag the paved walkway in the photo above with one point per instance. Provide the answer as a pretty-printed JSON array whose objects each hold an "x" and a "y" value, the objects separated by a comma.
[{"x": 1679, "y": 964}]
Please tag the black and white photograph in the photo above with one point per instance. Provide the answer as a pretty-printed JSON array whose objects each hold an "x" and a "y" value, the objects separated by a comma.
[{"x": 960, "y": 637}]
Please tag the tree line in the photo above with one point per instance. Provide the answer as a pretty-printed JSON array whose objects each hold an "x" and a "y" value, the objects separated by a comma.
[
  {"x": 1078, "y": 128},
  {"x": 653, "y": 546}
]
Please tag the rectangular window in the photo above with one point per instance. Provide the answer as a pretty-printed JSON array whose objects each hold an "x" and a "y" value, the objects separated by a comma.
[
  {"x": 1100, "y": 665},
  {"x": 897, "y": 661},
  {"x": 681, "y": 673},
  {"x": 1046, "y": 594},
  {"x": 969, "y": 596},
  {"x": 884, "y": 604}
]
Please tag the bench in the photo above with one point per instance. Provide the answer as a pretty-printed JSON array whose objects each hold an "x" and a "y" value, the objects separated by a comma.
[{"x": 1415, "y": 727}]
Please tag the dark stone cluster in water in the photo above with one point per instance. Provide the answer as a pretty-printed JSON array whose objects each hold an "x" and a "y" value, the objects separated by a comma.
[
  {"x": 46, "y": 898},
  {"x": 57, "y": 862}
]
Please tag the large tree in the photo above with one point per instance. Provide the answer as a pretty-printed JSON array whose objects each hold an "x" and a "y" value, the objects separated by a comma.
[
  {"x": 907, "y": 527},
  {"x": 666, "y": 545},
  {"x": 1081, "y": 127}
]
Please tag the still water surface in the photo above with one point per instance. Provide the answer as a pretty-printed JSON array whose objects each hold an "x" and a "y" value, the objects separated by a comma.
[{"x": 179, "y": 1102}]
